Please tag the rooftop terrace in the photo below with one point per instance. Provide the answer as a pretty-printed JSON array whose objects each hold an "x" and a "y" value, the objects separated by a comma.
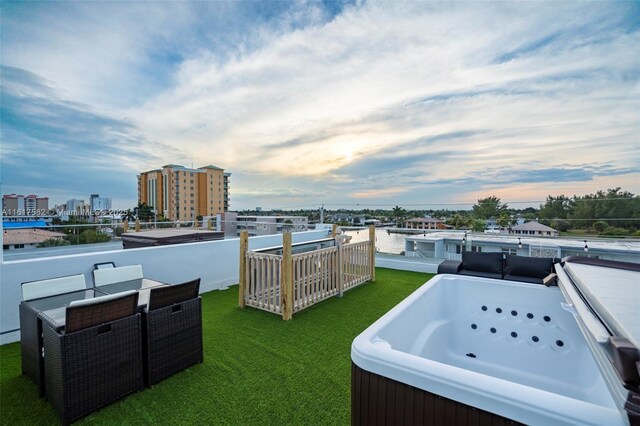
[{"x": 257, "y": 368}]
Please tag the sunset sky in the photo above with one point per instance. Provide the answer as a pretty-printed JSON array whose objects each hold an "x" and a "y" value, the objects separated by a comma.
[{"x": 367, "y": 103}]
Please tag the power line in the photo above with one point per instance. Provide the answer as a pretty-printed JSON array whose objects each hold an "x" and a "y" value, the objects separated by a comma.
[{"x": 463, "y": 203}]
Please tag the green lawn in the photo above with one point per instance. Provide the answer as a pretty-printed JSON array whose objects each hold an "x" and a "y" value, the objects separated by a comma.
[{"x": 257, "y": 368}]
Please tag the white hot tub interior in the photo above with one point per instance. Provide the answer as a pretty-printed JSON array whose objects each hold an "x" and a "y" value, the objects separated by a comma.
[{"x": 512, "y": 331}]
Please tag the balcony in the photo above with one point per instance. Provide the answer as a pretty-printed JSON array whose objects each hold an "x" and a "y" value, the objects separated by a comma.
[{"x": 247, "y": 352}]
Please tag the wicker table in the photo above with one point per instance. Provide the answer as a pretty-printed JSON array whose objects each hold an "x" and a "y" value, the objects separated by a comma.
[
  {"x": 141, "y": 285},
  {"x": 31, "y": 330}
]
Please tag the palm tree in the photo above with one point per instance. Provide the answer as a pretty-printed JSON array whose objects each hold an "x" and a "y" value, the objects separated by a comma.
[
  {"x": 478, "y": 225},
  {"x": 128, "y": 216},
  {"x": 398, "y": 213},
  {"x": 504, "y": 220},
  {"x": 143, "y": 212}
]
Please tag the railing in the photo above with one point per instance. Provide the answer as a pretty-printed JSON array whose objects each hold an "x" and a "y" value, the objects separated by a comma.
[
  {"x": 452, "y": 256},
  {"x": 316, "y": 277},
  {"x": 356, "y": 267},
  {"x": 263, "y": 281},
  {"x": 288, "y": 283}
]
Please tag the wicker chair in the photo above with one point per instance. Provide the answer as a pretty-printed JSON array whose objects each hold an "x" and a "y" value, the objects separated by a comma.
[
  {"x": 30, "y": 332},
  {"x": 173, "y": 330},
  {"x": 94, "y": 356}
]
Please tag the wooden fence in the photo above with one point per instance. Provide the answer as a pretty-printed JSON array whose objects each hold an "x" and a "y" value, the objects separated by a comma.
[{"x": 284, "y": 284}]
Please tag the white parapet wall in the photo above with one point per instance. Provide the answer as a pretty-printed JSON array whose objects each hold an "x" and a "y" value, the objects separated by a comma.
[
  {"x": 216, "y": 263},
  {"x": 404, "y": 263}
]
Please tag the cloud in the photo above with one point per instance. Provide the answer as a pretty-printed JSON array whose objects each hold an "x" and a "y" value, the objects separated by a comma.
[
  {"x": 379, "y": 193},
  {"x": 306, "y": 101},
  {"x": 51, "y": 145}
]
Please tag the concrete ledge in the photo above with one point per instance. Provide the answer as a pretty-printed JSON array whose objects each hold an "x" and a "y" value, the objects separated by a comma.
[
  {"x": 9, "y": 337},
  {"x": 404, "y": 263}
]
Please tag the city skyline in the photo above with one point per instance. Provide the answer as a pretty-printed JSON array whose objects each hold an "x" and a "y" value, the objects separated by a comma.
[{"x": 305, "y": 103}]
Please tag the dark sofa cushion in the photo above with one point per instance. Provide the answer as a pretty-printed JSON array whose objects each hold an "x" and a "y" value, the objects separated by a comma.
[
  {"x": 482, "y": 262},
  {"x": 449, "y": 267},
  {"x": 533, "y": 267}
]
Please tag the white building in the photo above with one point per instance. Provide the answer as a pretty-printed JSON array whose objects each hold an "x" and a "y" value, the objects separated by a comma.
[
  {"x": 98, "y": 203},
  {"x": 75, "y": 206},
  {"x": 535, "y": 229},
  {"x": 268, "y": 225},
  {"x": 449, "y": 245}
]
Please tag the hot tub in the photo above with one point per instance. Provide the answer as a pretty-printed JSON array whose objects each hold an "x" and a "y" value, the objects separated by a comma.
[{"x": 461, "y": 349}]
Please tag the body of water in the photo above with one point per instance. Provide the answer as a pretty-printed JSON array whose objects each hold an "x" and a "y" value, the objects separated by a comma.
[{"x": 385, "y": 242}]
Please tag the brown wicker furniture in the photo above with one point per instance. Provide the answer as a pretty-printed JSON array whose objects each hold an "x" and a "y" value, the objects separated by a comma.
[
  {"x": 31, "y": 330},
  {"x": 172, "y": 330},
  {"x": 93, "y": 353}
]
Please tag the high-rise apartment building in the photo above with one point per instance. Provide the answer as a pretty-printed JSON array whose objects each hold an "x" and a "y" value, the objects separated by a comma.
[
  {"x": 76, "y": 207},
  {"x": 98, "y": 203},
  {"x": 180, "y": 193},
  {"x": 20, "y": 205}
]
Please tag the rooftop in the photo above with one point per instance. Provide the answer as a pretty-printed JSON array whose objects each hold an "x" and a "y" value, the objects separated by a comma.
[
  {"x": 533, "y": 226},
  {"x": 28, "y": 236},
  {"x": 257, "y": 368},
  {"x": 24, "y": 224},
  {"x": 630, "y": 246}
]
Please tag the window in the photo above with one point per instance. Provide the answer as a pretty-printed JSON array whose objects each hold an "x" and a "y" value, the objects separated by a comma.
[
  {"x": 191, "y": 174},
  {"x": 509, "y": 251},
  {"x": 477, "y": 249},
  {"x": 458, "y": 248}
]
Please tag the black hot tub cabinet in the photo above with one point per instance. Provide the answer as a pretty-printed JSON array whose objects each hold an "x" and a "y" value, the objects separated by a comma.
[
  {"x": 469, "y": 350},
  {"x": 164, "y": 237}
]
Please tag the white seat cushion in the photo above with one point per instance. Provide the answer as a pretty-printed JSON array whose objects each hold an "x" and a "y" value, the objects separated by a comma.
[
  {"x": 116, "y": 275},
  {"x": 51, "y": 287},
  {"x": 94, "y": 300}
]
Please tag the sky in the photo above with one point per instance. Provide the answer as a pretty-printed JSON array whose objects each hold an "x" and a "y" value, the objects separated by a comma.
[{"x": 370, "y": 104}]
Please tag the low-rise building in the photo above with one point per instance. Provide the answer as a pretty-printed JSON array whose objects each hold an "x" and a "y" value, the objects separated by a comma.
[
  {"x": 533, "y": 229},
  {"x": 351, "y": 219},
  {"x": 424, "y": 223},
  {"x": 27, "y": 238},
  {"x": 449, "y": 246},
  {"x": 261, "y": 225}
]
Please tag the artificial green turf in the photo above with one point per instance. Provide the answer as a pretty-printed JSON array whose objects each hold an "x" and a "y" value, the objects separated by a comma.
[{"x": 258, "y": 369}]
